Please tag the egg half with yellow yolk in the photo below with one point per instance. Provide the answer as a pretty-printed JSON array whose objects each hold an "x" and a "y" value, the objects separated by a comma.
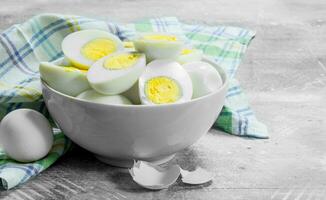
[
  {"x": 85, "y": 47},
  {"x": 205, "y": 78},
  {"x": 164, "y": 82},
  {"x": 189, "y": 55},
  {"x": 65, "y": 79},
  {"x": 93, "y": 96},
  {"x": 116, "y": 73},
  {"x": 159, "y": 46},
  {"x": 129, "y": 46}
]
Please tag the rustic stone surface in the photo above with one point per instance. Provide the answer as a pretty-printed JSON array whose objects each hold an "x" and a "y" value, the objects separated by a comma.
[{"x": 283, "y": 74}]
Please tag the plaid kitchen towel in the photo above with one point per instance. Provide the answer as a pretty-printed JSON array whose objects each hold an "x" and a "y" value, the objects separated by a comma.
[{"x": 23, "y": 46}]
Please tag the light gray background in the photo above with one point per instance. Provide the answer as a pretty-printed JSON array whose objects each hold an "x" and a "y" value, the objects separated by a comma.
[{"x": 283, "y": 74}]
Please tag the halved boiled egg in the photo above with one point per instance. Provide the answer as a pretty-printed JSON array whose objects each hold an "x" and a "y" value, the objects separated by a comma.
[
  {"x": 159, "y": 46},
  {"x": 129, "y": 46},
  {"x": 66, "y": 79},
  {"x": 163, "y": 82},
  {"x": 152, "y": 176},
  {"x": 189, "y": 55},
  {"x": 133, "y": 94},
  {"x": 116, "y": 73},
  {"x": 93, "y": 96},
  {"x": 196, "y": 177},
  {"x": 85, "y": 47},
  {"x": 205, "y": 78}
]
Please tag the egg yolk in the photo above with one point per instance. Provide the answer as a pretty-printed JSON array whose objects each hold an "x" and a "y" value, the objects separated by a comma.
[
  {"x": 128, "y": 45},
  {"x": 186, "y": 51},
  {"x": 121, "y": 61},
  {"x": 169, "y": 38},
  {"x": 98, "y": 48},
  {"x": 73, "y": 69},
  {"x": 161, "y": 90}
]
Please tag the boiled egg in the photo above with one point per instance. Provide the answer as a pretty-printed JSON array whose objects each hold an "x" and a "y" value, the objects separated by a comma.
[
  {"x": 65, "y": 79},
  {"x": 163, "y": 82},
  {"x": 83, "y": 48},
  {"x": 133, "y": 94},
  {"x": 93, "y": 96},
  {"x": 116, "y": 73},
  {"x": 159, "y": 46},
  {"x": 129, "y": 46},
  {"x": 205, "y": 78},
  {"x": 26, "y": 135},
  {"x": 189, "y": 55},
  {"x": 155, "y": 177}
]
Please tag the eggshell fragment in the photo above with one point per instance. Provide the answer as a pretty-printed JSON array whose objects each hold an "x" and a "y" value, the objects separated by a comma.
[
  {"x": 189, "y": 54},
  {"x": 154, "y": 177},
  {"x": 196, "y": 177}
]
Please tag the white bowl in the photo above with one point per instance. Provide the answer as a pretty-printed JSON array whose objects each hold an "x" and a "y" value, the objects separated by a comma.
[{"x": 119, "y": 134}]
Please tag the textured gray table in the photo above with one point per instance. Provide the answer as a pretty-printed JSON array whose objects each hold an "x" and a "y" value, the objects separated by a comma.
[{"x": 283, "y": 74}]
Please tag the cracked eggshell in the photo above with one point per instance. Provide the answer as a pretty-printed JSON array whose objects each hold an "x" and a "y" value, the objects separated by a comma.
[
  {"x": 196, "y": 177},
  {"x": 154, "y": 177}
]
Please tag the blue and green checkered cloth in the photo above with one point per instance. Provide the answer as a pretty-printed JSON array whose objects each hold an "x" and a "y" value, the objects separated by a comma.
[{"x": 23, "y": 46}]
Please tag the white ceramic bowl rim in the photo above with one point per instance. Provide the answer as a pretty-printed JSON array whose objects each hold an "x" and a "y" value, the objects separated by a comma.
[{"x": 225, "y": 83}]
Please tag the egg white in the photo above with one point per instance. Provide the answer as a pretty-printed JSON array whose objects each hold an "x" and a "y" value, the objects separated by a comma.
[
  {"x": 68, "y": 80},
  {"x": 194, "y": 55},
  {"x": 129, "y": 46},
  {"x": 93, "y": 96},
  {"x": 205, "y": 78},
  {"x": 158, "y": 49},
  {"x": 133, "y": 94}
]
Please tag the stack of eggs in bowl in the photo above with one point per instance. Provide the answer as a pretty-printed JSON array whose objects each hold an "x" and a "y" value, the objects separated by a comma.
[{"x": 144, "y": 99}]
